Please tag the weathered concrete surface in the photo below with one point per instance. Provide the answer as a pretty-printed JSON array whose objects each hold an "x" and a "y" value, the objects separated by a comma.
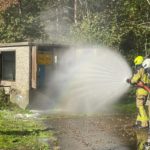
[
  {"x": 94, "y": 133},
  {"x": 19, "y": 93}
]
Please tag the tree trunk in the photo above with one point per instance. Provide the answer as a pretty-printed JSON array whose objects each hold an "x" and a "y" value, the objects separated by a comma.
[
  {"x": 20, "y": 7},
  {"x": 148, "y": 2},
  {"x": 75, "y": 11}
]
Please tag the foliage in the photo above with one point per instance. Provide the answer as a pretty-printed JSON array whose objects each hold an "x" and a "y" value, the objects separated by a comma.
[
  {"x": 4, "y": 4},
  {"x": 121, "y": 24},
  {"x": 5, "y": 103},
  {"x": 24, "y": 134},
  {"x": 4, "y": 99},
  {"x": 21, "y": 23},
  {"x": 127, "y": 103},
  {"x": 95, "y": 29}
]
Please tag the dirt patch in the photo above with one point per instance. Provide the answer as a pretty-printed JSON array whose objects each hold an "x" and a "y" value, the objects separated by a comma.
[{"x": 105, "y": 132}]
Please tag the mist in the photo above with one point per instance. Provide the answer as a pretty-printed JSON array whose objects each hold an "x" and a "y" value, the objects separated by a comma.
[{"x": 86, "y": 80}]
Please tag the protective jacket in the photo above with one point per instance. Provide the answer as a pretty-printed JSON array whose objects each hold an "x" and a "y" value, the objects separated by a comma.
[{"x": 140, "y": 75}]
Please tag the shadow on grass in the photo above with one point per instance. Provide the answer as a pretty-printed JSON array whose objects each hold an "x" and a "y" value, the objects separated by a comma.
[{"x": 24, "y": 132}]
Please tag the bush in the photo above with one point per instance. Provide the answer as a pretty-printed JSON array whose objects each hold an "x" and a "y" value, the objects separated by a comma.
[{"x": 4, "y": 98}]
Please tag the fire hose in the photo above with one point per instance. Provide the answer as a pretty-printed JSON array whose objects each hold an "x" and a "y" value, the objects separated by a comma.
[{"x": 142, "y": 85}]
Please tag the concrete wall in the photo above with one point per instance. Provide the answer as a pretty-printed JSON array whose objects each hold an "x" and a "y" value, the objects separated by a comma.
[{"x": 19, "y": 91}]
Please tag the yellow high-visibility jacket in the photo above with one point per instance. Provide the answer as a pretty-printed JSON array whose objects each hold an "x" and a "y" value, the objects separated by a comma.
[{"x": 140, "y": 75}]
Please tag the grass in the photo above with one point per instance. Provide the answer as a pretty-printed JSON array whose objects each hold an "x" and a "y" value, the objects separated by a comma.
[
  {"x": 24, "y": 134},
  {"x": 129, "y": 107},
  {"x": 127, "y": 104}
]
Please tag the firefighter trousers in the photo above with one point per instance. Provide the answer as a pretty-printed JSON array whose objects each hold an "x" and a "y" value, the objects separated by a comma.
[{"x": 142, "y": 116}]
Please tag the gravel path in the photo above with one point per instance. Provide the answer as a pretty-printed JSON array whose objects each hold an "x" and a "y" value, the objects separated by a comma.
[{"x": 94, "y": 133}]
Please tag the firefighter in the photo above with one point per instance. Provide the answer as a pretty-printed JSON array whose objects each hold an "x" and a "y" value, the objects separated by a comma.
[
  {"x": 146, "y": 65},
  {"x": 141, "y": 94}
]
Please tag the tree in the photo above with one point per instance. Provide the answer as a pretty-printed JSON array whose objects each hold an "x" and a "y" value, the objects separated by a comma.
[
  {"x": 121, "y": 24},
  {"x": 21, "y": 22},
  {"x": 75, "y": 11},
  {"x": 5, "y": 4}
]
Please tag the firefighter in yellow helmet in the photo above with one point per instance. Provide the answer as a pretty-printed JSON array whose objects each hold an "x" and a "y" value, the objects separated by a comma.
[{"x": 141, "y": 94}]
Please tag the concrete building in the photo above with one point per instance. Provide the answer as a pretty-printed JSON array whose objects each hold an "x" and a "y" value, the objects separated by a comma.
[{"x": 23, "y": 68}]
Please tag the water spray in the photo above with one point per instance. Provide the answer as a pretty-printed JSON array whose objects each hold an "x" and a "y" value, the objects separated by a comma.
[
  {"x": 92, "y": 81},
  {"x": 86, "y": 80}
]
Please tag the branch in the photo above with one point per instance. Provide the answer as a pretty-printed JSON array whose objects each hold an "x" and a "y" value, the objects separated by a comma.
[
  {"x": 144, "y": 23},
  {"x": 20, "y": 7},
  {"x": 148, "y": 2}
]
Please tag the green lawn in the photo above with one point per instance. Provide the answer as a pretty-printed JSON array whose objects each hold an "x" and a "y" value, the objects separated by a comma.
[
  {"x": 24, "y": 133},
  {"x": 129, "y": 107}
]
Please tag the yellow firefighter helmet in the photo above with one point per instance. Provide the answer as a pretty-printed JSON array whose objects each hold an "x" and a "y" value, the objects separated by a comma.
[{"x": 138, "y": 60}]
